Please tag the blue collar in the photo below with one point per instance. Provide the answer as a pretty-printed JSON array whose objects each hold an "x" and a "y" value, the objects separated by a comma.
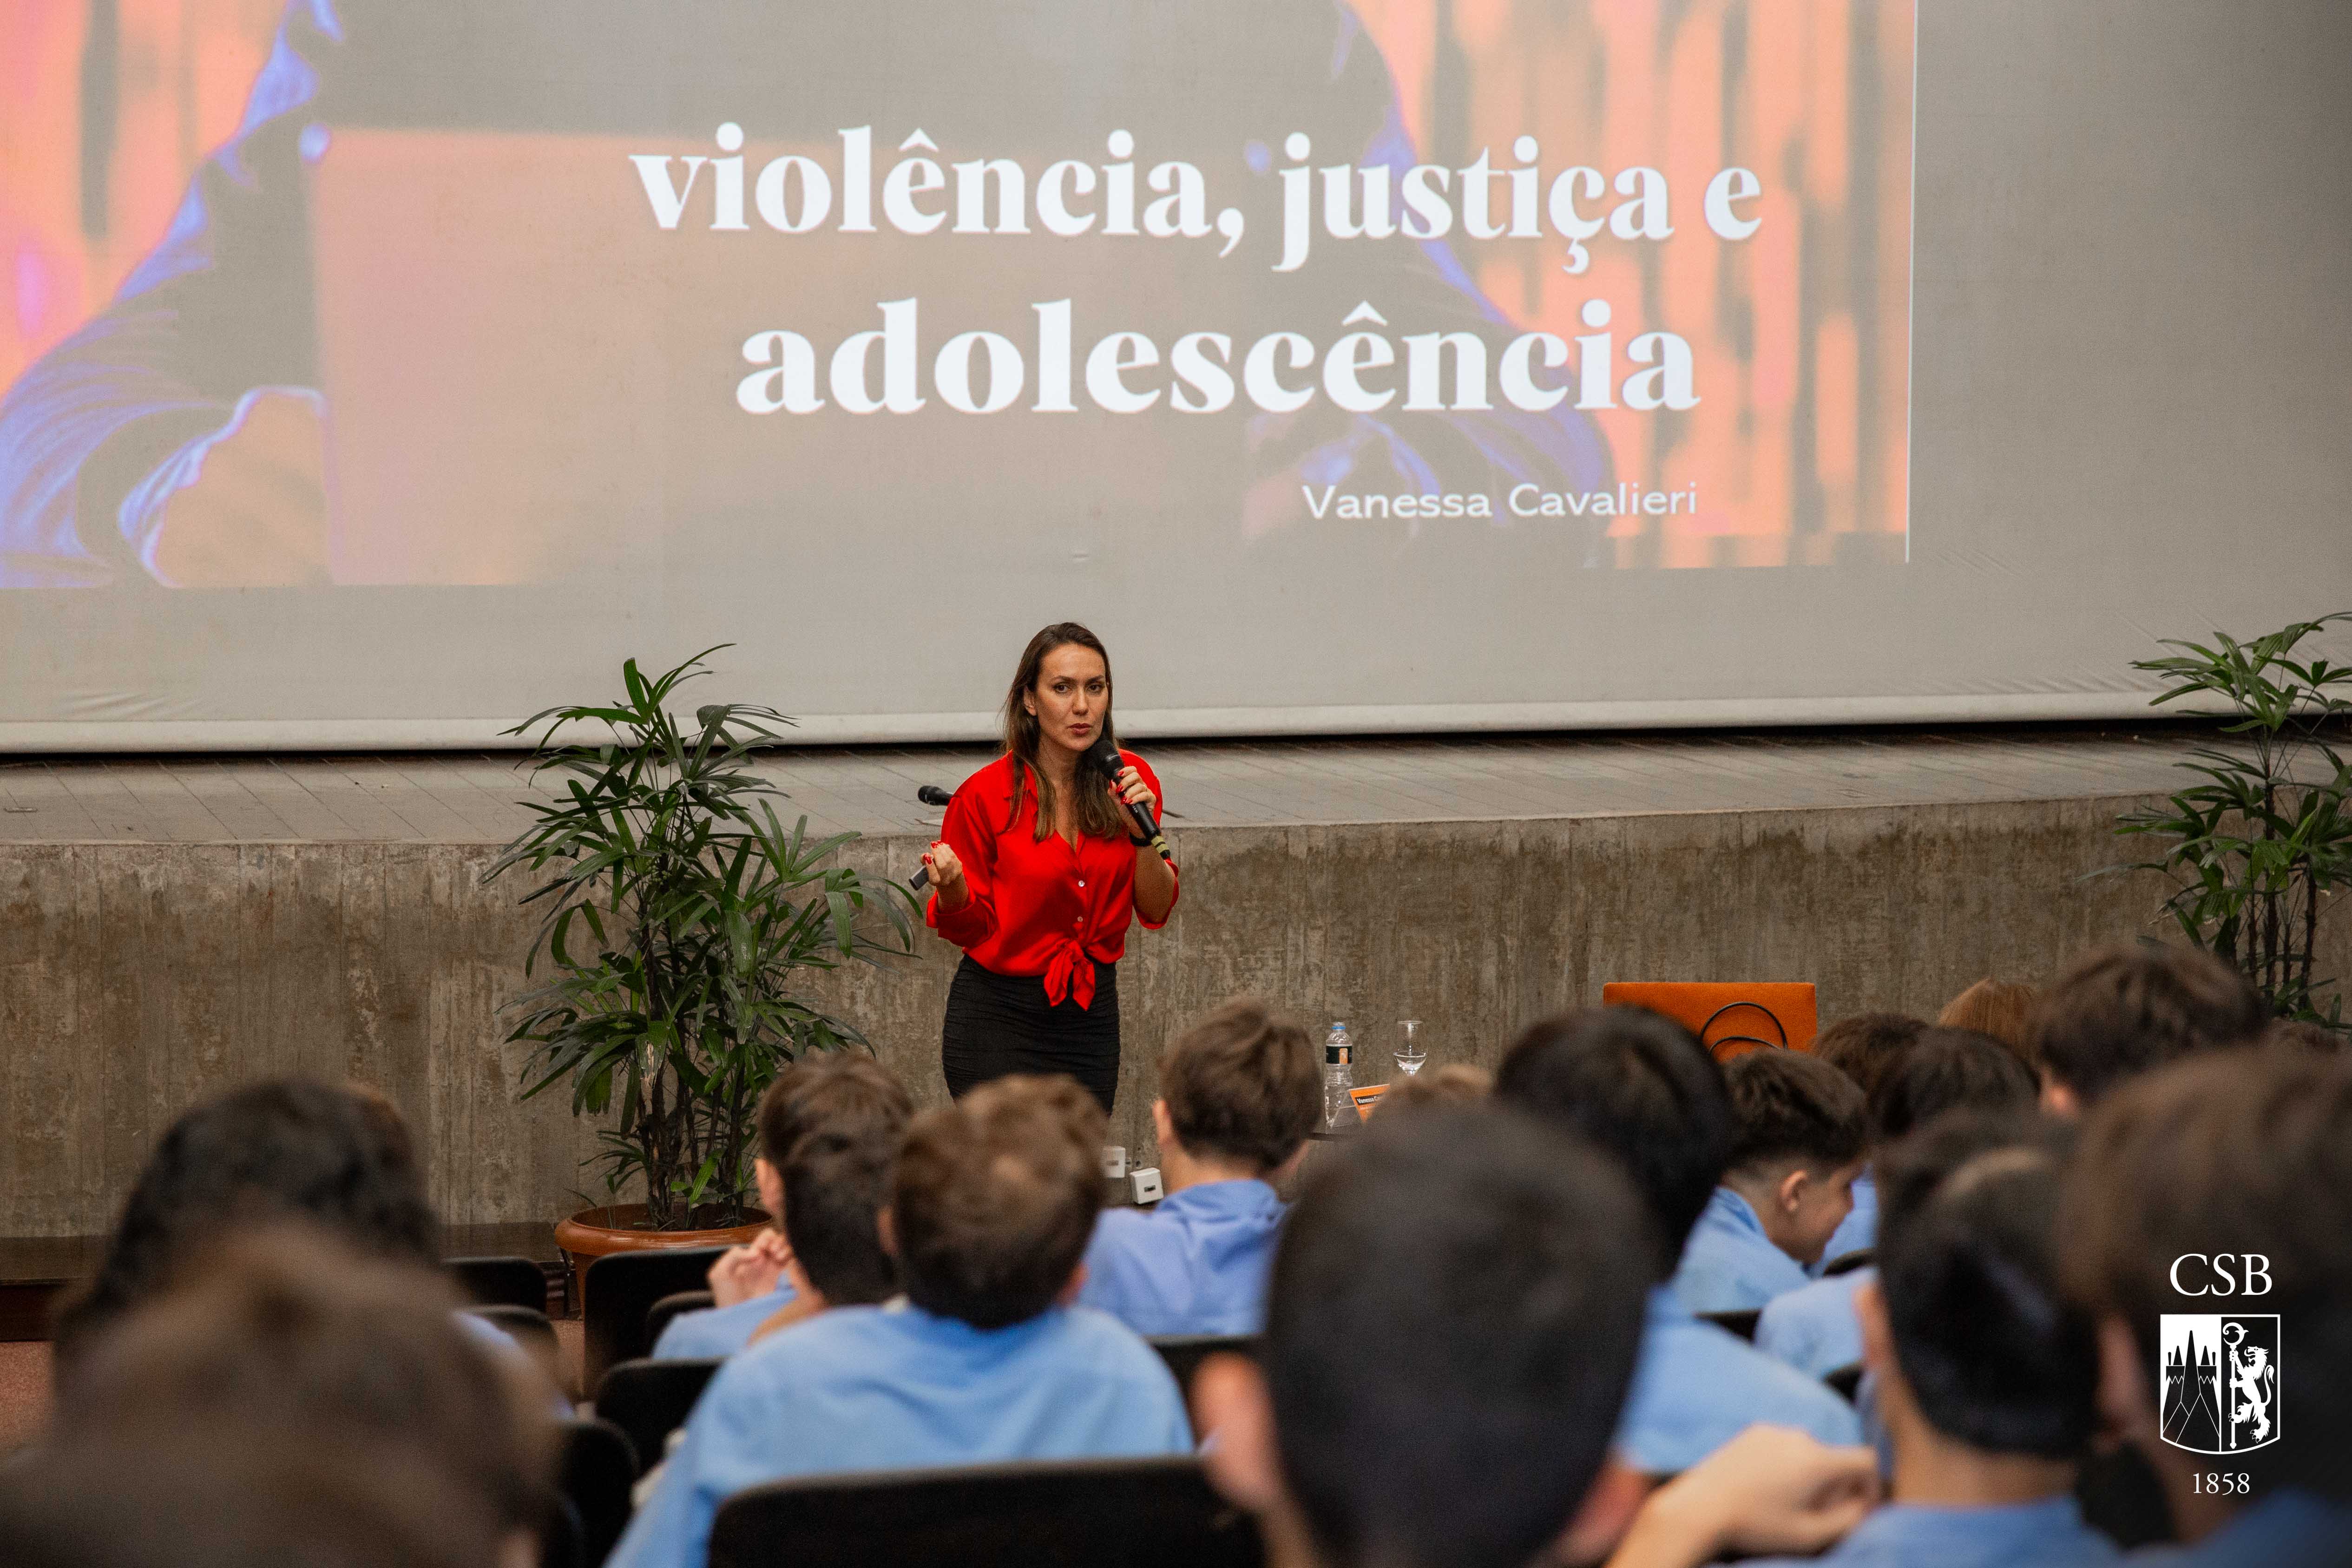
[{"x": 1223, "y": 1199}]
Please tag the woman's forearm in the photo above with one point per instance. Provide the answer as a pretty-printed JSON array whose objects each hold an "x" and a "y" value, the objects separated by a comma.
[{"x": 1155, "y": 885}]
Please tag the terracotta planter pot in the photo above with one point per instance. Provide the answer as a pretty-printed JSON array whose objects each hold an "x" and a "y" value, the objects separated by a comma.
[{"x": 594, "y": 1233}]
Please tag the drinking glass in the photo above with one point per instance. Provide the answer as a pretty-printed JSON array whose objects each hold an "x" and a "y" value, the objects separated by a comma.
[{"x": 1410, "y": 1051}]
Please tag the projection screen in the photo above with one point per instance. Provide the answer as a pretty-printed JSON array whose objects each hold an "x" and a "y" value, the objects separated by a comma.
[{"x": 381, "y": 372}]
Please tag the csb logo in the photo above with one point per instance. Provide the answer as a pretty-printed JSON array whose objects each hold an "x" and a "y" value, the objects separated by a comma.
[{"x": 2220, "y": 1375}]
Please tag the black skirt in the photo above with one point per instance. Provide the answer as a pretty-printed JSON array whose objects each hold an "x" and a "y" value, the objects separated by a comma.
[{"x": 998, "y": 1025}]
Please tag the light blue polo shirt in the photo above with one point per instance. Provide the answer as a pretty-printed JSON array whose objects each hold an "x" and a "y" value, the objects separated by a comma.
[
  {"x": 716, "y": 1331},
  {"x": 891, "y": 1388},
  {"x": 1196, "y": 1263},
  {"x": 2046, "y": 1534},
  {"x": 1814, "y": 1329},
  {"x": 1728, "y": 1264},
  {"x": 1856, "y": 1230},
  {"x": 2288, "y": 1529},
  {"x": 1696, "y": 1387}
]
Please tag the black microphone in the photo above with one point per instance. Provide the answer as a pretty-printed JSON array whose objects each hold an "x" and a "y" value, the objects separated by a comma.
[
  {"x": 929, "y": 795},
  {"x": 1104, "y": 757}
]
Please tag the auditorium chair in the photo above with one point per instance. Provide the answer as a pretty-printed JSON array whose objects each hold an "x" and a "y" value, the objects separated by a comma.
[
  {"x": 618, "y": 1289},
  {"x": 658, "y": 1315},
  {"x": 1847, "y": 1262},
  {"x": 1741, "y": 1323},
  {"x": 1081, "y": 1513},
  {"x": 527, "y": 1326},
  {"x": 1731, "y": 1017},
  {"x": 1846, "y": 1381},
  {"x": 594, "y": 1470},
  {"x": 500, "y": 1281},
  {"x": 648, "y": 1400},
  {"x": 1185, "y": 1352}
]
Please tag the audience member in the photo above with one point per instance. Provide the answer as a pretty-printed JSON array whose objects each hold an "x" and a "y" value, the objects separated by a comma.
[
  {"x": 1986, "y": 1380},
  {"x": 1449, "y": 1083},
  {"x": 1998, "y": 1009},
  {"x": 2249, "y": 1156},
  {"x": 992, "y": 1205},
  {"x": 1796, "y": 1149},
  {"x": 285, "y": 1148},
  {"x": 838, "y": 1094},
  {"x": 1239, "y": 1093},
  {"x": 1453, "y": 1319},
  {"x": 1642, "y": 1088},
  {"x": 253, "y": 1499},
  {"x": 835, "y": 1186},
  {"x": 1815, "y": 1329},
  {"x": 1863, "y": 1046},
  {"x": 2122, "y": 1010},
  {"x": 286, "y": 1330}
]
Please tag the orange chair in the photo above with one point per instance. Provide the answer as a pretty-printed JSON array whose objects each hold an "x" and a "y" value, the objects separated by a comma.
[{"x": 1731, "y": 1017}]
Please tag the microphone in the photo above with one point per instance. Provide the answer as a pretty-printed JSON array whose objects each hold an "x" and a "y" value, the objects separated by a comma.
[
  {"x": 1103, "y": 756},
  {"x": 929, "y": 795}
]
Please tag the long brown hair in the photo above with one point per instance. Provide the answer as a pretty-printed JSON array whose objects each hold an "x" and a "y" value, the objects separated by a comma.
[{"x": 1099, "y": 815}]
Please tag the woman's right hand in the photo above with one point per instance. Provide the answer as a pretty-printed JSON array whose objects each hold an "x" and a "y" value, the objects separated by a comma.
[{"x": 947, "y": 875}]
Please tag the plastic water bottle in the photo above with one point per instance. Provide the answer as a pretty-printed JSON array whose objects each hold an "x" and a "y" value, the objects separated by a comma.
[{"x": 1339, "y": 1077}]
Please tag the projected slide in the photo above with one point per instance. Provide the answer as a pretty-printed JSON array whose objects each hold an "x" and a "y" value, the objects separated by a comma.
[
  {"x": 509, "y": 293},
  {"x": 380, "y": 370}
]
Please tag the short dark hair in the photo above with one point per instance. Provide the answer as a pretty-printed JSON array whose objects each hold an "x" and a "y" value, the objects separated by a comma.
[
  {"x": 286, "y": 1147},
  {"x": 2118, "y": 1011},
  {"x": 1640, "y": 1087},
  {"x": 1243, "y": 1084},
  {"x": 840, "y": 1091},
  {"x": 995, "y": 1196},
  {"x": 1790, "y": 1107},
  {"x": 1451, "y": 1328},
  {"x": 216, "y": 1499},
  {"x": 2251, "y": 1153},
  {"x": 835, "y": 1188},
  {"x": 1860, "y": 1046},
  {"x": 1967, "y": 1257},
  {"x": 286, "y": 1329},
  {"x": 1946, "y": 1069}
]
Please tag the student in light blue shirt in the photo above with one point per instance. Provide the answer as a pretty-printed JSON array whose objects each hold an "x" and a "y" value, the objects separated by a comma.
[
  {"x": 1987, "y": 1377},
  {"x": 839, "y": 1095},
  {"x": 2250, "y": 1145},
  {"x": 992, "y": 1204},
  {"x": 1239, "y": 1093},
  {"x": 1786, "y": 1187},
  {"x": 1641, "y": 1088},
  {"x": 1699, "y": 1387},
  {"x": 1814, "y": 1328},
  {"x": 1858, "y": 1231},
  {"x": 1489, "y": 1272}
]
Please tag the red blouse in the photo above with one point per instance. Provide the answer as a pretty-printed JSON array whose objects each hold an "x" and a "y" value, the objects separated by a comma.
[{"x": 1037, "y": 906}]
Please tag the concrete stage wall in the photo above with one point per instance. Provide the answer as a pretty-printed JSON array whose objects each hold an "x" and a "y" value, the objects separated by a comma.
[{"x": 136, "y": 979}]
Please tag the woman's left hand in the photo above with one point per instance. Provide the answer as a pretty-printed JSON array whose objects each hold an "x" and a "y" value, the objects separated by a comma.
[{"x": 1134, "y": 791}]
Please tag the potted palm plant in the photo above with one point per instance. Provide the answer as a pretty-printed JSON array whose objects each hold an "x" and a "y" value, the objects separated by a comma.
[
  {"x": 678, "y": 914},
  {"x": 2257, "y": 848}
]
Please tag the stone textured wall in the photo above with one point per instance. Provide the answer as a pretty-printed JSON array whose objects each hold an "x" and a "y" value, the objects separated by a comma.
[{"x": 137, "y": 979}]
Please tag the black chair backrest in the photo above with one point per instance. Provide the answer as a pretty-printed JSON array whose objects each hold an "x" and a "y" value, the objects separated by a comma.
[
  {"x": 617, "y": 1291},
  {"x": 500, "y": 1281},
  {"x": 1847, "y": 1381},
  {"x": 658, "y": 1315},
  {"x": 596, "y": 1467},
  {"x": 1185, "y": 1352},
  {"x": 650, "y": 1399},
  {"x": 527, "y": 1326},
  {"x": 1847, "y": 1262},
  {"x": 1081, "y": 1513},
  {"x": 1741, "y": 1323}
]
